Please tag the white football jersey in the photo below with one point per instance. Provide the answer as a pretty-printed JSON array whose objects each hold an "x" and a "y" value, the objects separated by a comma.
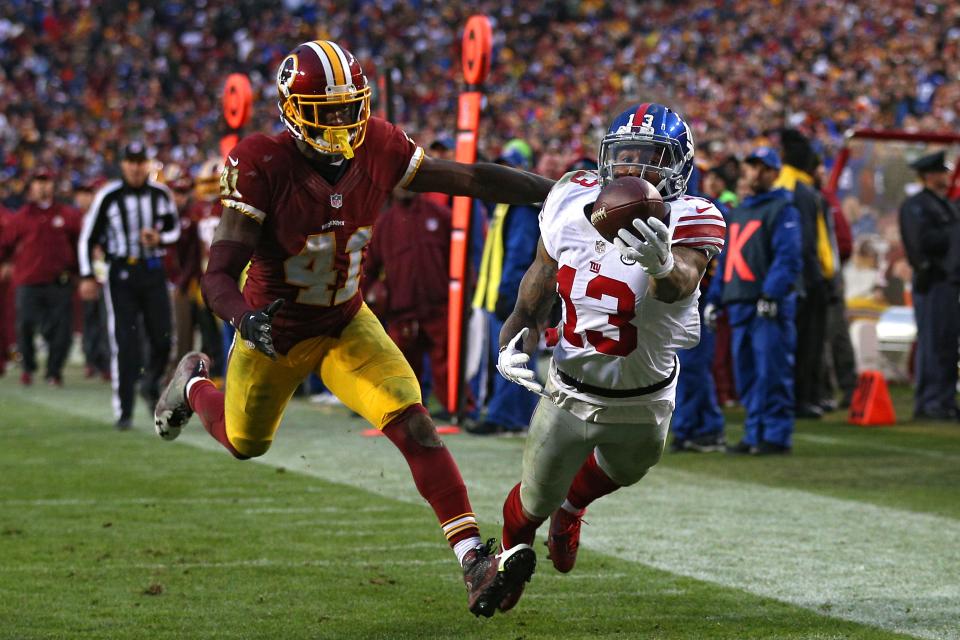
[{"x": 614, "y": 335}]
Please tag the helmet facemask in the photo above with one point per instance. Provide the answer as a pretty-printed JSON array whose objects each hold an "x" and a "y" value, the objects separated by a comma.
[
  {"x": 657, "y": 159},
  {"x": 334, "y": 124}
]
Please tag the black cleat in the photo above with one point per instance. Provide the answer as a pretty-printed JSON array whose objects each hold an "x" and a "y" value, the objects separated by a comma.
[
  {"x": 515, "y": 567},
  {"x": 480, "y": 576}
]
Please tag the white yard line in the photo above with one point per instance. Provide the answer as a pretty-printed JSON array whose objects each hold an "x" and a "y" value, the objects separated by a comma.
[{"x": 875, "y": 446}]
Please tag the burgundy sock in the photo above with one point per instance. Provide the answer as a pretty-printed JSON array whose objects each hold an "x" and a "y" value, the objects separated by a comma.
[
  {"x": 437, "y": 478},
  {"x": 518, "y": 527},
  {"x": 590, "y": 483},
  {"x": 207, "y": 402}
]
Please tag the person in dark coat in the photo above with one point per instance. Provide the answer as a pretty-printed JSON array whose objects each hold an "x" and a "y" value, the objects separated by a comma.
[{"x": 929, "y": 227}]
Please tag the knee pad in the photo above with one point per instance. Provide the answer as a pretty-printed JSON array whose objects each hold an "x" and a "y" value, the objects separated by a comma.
[
  {"x": 628, "y": 472},
  {"x": 245, "y": 449},
  {"x": 413, "y": 427}
]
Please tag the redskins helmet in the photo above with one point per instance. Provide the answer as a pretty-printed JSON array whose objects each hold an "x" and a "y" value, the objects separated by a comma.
[
  {"x": 324, "y": 97},
  {"x": 206, "y": 185}
]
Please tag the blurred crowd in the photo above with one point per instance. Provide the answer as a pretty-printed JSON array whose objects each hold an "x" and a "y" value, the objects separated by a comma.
[{"x": 76, "y": 77}]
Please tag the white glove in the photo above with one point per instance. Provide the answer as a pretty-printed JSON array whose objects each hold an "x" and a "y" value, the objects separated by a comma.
[
  {"x": 710, "y": 313},
  {"x": 512, "y": 361},
  {"x": 652, "y": 252}
]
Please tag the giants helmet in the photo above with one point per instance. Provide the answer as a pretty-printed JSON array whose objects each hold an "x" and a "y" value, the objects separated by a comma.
[
  {"x": 652, "y": 141},
  {"x": 324, "y": 97}
]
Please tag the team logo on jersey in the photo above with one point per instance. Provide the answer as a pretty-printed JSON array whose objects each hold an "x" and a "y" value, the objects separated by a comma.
[
  {"x": 336, "y": 200},
  {"x": 594, "y": 267},
  {"x": 600, "y": 246}
]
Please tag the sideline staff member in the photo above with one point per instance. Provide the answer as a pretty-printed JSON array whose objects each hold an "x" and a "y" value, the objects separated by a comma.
[
  {"x": 132, "y": 219},
  {"x": 928, "y": 222}
]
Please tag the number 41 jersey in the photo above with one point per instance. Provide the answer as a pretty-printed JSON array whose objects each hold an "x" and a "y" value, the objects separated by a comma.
[
  {"x": 615, "y": 335},
  {"x": 313, "y": 233}
]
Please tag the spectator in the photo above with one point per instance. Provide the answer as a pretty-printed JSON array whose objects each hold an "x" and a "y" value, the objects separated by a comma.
[
  {"x": 96, "y": 348},
  {"x": 410, "y": 250},
  {"x": 697, "y": 420},
  {"x": 7, "y": 303},
  {"x": 821, "y": 272},
  {"x": 132, "y": 220},
  {"x": 928, "y": 224},
  {"x": 509, "y": 250},
  {"x": 715, "y": 185},
  {"x": 840, "y": 371},
  {"x": 42, "y": 239},
  {"x": 760, "y": 271},
  {"x": 190, "y": 312}
]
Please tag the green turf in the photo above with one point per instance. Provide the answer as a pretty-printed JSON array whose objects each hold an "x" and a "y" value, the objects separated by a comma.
[{"x": 118, "y": 535}]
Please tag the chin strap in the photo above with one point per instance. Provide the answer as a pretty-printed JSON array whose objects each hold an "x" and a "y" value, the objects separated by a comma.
[{"x": 339, "y": 138}]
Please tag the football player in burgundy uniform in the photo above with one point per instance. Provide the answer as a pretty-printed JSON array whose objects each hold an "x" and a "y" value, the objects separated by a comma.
[
  {"x": 300, "y": 208},
  {"x": 603, "y": 418}
]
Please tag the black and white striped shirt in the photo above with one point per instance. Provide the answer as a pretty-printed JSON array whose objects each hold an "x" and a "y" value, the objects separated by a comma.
[{"x": 117, "y": 215}]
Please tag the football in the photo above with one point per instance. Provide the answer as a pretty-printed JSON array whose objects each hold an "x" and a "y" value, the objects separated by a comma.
[{"x": 621, "y": 202}]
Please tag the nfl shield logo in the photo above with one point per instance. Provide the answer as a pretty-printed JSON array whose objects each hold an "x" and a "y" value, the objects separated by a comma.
[
  {"x": 336, "y": 200},
  {"x": 600, "y": 246}
]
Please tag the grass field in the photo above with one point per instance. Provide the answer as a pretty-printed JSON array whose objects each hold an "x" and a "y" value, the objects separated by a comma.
[{"x": 120, "y": 535}]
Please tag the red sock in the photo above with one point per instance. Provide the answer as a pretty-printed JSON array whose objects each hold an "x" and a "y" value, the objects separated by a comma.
[
  {"x": 437, "y": 478},
  {"x": 518, "y": 527},
  {"x": 207, "y": 401},
  {"x": 590, "y": 483}
]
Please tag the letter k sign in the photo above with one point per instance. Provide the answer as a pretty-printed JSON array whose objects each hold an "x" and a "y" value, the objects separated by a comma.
[{"x": 735, "y": 261}]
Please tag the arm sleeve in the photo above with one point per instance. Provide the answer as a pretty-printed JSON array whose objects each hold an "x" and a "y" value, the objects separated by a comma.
[
  {"x": 219, "y": 283},
  {"x": 167, "y": 219},
  {"x": 398, "y": 156},
  {"x": 8, "y": 239},
  {"x": 844, "y": 235},
  {"x": 700, "y": 228},
  {"x": 806, "y": 207},
  {"x": 787, "y": 259},
  {"x": 90, "y": 234},
  {"x": 520, "y": 249},
  {"x": 244, "y": 186}
]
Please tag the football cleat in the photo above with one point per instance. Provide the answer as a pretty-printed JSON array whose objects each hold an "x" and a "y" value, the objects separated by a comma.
[
  {"x": 480, "y": 572},
  {"x": 515, "y": 566},
  {"x": 173, "y": 411},
  {"x": 563, "y": 541}
]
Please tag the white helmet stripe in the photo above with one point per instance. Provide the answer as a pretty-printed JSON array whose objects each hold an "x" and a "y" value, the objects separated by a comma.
[
  {"x": 327, "y": 69},
  {"x": 343, "y": 61}
]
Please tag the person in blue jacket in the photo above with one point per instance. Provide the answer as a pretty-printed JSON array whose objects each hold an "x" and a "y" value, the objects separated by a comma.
[
  {"x": 757, "y": 281},
  {"x": 510, "y": 247}
]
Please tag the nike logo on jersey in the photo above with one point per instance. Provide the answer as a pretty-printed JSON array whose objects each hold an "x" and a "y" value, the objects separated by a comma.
[
  {"x": 705, "y": 209},
  {"x": 233, "y": 161}
]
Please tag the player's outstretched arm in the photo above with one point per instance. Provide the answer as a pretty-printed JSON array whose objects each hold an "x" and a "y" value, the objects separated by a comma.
[
  {"x": 688, "y": 267},
  {"x": 538, "y": 290},
  {"x": 233, "y": 245},
  {"x": 484, "y": 180}
]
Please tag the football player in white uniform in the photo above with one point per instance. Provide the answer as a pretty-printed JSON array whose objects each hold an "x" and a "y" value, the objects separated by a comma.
[{"x": 603, "y": 418}]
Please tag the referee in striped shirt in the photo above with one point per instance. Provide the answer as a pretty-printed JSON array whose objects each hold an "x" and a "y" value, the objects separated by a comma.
[{"x": 132, "y": 220}]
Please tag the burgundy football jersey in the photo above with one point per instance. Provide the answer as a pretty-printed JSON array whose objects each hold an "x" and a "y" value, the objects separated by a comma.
[{"x": 314, "y": 233}]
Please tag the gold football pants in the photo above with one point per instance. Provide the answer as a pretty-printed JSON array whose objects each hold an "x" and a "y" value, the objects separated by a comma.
[{"x": 362, "y": 367}]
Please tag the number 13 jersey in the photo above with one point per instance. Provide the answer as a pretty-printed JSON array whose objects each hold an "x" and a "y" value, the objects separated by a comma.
[{"x": 615, "y": 335}]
